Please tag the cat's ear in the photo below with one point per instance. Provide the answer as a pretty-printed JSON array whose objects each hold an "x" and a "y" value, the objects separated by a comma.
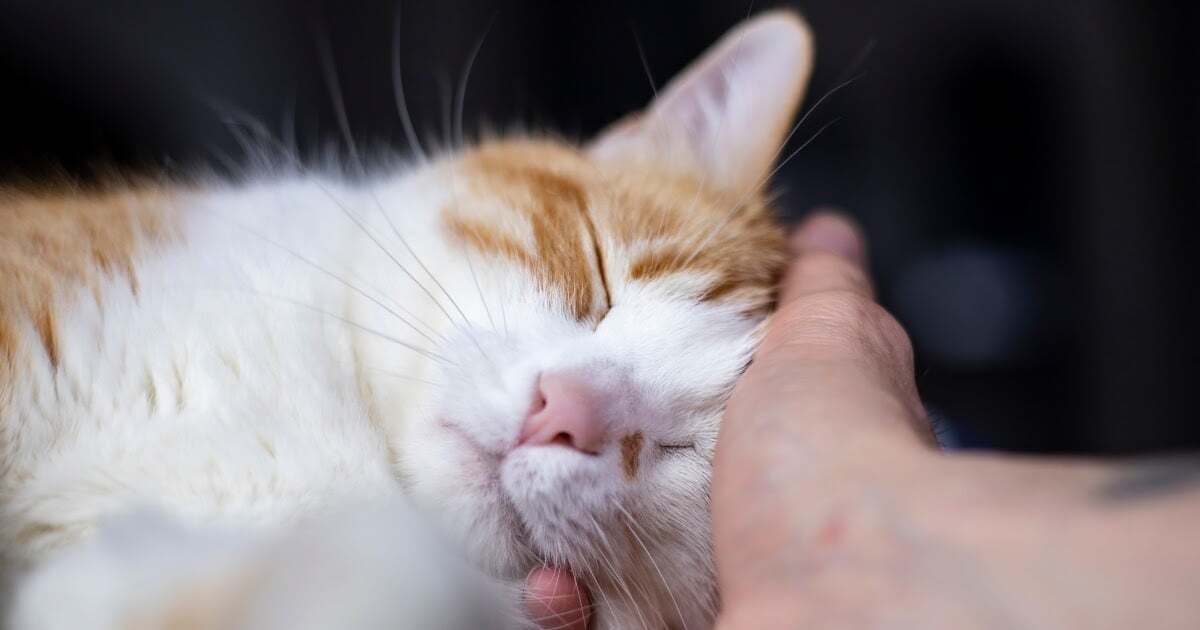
[{"x": 729, "y": 111}]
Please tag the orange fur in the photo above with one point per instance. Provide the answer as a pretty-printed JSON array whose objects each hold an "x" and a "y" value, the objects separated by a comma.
[
  {"x": 55, "y": 242},
  {"x": 631, "y": 449},
  {"x": 547, "y": 207}
]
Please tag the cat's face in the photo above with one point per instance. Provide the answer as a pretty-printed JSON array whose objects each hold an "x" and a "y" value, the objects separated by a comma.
[{"x": 608, "y": 298}]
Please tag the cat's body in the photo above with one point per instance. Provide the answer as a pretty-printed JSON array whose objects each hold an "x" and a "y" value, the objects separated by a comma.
[{"x": 529, "y": 343}]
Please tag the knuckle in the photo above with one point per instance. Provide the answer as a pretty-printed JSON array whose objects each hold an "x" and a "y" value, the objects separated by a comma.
[{"x": 891, "y": 335}]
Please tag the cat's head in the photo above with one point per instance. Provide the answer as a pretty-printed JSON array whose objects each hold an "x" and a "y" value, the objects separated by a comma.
[{"x": 605, "y": 299}]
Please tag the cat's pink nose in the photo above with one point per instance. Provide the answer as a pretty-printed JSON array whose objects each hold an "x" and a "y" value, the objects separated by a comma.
[{"x": 564, "y": 411}]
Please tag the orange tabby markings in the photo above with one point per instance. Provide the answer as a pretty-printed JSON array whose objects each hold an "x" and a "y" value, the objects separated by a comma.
[
  {"x": 551, "y": 210},
  {"x": 631, "y": 448},
  {"x": 545, "y": 185},
  {"x": 687, "y": 227},
  {"x": 55, "y": 242}
]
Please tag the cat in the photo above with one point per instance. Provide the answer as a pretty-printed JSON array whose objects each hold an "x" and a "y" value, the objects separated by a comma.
[{"x": 278, "y": 403}]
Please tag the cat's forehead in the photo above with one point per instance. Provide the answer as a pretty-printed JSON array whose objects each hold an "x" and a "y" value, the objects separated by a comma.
[{"x": 586, "y": 229}]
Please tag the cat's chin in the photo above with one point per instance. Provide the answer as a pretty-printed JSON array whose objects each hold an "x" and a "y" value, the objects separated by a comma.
[
  {"x": 551, "y": 499},
  {"x": 563, "y": 498}
]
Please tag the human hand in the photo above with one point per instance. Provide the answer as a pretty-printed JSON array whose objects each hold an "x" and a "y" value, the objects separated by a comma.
[{"x": 833, "y": 507}]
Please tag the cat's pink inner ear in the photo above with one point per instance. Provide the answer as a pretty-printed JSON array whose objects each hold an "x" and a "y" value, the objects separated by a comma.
[{"x": 730, "y": 110}]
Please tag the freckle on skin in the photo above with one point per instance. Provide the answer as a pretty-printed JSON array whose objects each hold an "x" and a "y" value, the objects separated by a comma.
[{"x": 833, "y": 532}]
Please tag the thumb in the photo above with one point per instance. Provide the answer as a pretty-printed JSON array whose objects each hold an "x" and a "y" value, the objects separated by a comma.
[{"x": 834, "y": 366}]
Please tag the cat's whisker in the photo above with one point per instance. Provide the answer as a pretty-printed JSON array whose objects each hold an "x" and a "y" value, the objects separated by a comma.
[
  {"x": 558, "y": 616},
  {"x": 407, "y": 377},
  {"x": 287, "y": 129},
  {"x": 637, "y": 41},
  {"x": 367, "y": 329},
  {"x": 387, "y": 252},
  {"x": 262, "y": 131},
  {"x": 446, "y": 100},
  {"x": 347, "y": 321},
  {"x": 595, "y": 592},
  {"x": 329, "y": 70},
  {"x": 504, "y": 318},
  {"x": 796, "y": 127},
  {"x": 410, "y": 131},
  {"x": 632, "y": 525},
  {"x": 486, "y": 358},
  {"x": 616, "y": 575},
  {"x": 323, "y": 270},
  {"x": 460, "y": 106},
  {"x": 234, "y": 120},
  {"x": 857, "y": 62},
  {"x": 479, "y": 290},
  {"x": 411, "y": 252},
  {"x": 240, "y": 138},
  {"x": 460, "y": 101},
  {"x": 741, "y": 200},
  {"x": 398, "y": 306}
]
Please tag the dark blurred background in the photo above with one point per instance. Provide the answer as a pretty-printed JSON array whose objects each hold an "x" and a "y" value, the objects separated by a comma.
[{"x": 1023, "y": 168}]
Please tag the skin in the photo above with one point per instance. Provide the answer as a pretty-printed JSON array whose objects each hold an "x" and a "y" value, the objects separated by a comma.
[{"x": 834, "y": 508}]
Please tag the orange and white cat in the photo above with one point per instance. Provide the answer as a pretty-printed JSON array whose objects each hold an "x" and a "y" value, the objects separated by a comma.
[{"x": 264, "y": 405}]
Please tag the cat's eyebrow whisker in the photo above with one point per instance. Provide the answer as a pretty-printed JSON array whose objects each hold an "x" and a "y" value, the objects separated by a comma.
[
  {"x": 632, "y": 525},
  {"x": 741, "y": 200},
  {"x": 857, "y": 62},
  {"x": 318, "y": 267},
  {"x": 637, "y": 41},
  {"x": 460, "y": 104},
  {"x": 796, "y": 127},
  {"x": 398, "y": 92},
  {"x": 287, "y": 128},
  {"x": 235, "y": 130},
  {"x": 234, "y": 119},
  {"x": 446, "y": 100},
  {"x": 329, "y": 70},
  {"x": 460, "y": 101}
]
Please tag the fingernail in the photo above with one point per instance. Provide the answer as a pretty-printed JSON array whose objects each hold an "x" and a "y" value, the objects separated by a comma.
[{"x": 831, "y": 231}]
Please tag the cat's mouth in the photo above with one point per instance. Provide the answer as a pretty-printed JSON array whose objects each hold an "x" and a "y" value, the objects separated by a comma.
[
  {"x": 544, "y": 505},
  {"x": 486, "y": 473}
]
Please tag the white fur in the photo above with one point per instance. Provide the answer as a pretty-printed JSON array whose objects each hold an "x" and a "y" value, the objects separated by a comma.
[
  {"x": 309, "y": 345},
  {"x": 233, "y": 391}
]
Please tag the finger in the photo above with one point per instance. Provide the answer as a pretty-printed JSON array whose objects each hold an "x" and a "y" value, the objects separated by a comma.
[
  {"x": 828, "y": 402},
  {"x": 554, "y": 599},
  {"x": 834, "y": 366},
  {"x": 831, "y": 255}
]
